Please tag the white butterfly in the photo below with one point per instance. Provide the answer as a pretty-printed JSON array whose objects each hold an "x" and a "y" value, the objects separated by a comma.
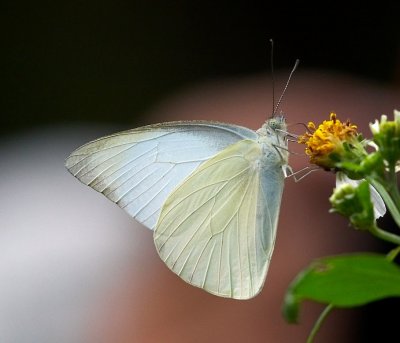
[{"x": 210, "y": 191}]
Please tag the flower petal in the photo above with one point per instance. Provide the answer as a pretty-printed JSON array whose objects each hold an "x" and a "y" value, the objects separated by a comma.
[{"x": 374, "y": 127}]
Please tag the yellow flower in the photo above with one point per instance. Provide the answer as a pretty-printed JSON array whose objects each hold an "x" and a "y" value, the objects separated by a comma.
[{"x": 329, "y": 142}]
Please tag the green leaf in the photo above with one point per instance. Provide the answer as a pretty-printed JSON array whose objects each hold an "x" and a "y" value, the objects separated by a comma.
[{"x": 343, "y": 281}]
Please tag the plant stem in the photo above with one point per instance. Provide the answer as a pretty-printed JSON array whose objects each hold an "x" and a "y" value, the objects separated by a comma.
[
  {"x": 393, "y": 253},
  {"x": 386, "y": 236},
  {"x": 393, "y": 187},
  {"x": 389, "y": 202},
  {"x": 319, "y": 322}
]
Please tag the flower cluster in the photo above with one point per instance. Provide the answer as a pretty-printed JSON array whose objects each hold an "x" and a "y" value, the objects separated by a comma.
[
  {"x": 366, "y": 185},
  {"x": 337, "y": 146}
]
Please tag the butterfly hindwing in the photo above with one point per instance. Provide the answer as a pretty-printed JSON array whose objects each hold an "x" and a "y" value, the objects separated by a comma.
[{"x": 219, "y": 236}]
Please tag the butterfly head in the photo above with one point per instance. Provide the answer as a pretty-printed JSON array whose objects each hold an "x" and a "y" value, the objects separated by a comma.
[
  {"x": 277, "y": 123},
  {"x": 274, "y": 127}
]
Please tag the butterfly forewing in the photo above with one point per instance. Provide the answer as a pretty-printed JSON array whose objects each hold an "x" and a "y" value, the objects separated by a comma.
[
  {"x": 217, "y": 229},
  {"x": 138, "y": 169}
]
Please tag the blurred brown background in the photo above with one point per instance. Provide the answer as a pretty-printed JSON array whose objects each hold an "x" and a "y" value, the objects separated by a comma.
[{"x": 76, "y": 268}]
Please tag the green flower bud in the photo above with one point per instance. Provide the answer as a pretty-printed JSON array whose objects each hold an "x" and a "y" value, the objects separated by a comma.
[
  {"x": 373, "y": 165},
  {"x": 355, "y": 204},
  {"x": 386, "y": 135}
]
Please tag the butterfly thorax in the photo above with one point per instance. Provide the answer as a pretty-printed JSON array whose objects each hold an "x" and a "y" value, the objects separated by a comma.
[{"x": 272, "y": 138}]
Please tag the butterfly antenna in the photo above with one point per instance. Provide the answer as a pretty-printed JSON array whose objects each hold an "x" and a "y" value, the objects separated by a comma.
[
  {"x": 272, "y": 76},
  {"x": 286, "y": 86}
]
